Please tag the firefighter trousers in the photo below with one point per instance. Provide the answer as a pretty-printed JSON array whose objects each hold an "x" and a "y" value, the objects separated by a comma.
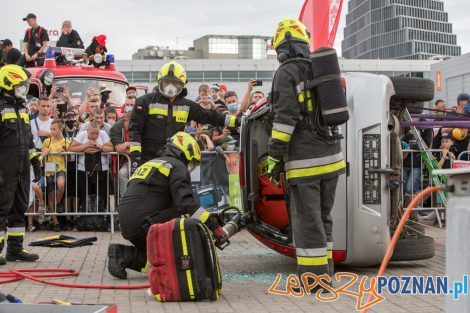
[
  {"x": 14, "y": 198},
  {"x": 311, "y": 202}
]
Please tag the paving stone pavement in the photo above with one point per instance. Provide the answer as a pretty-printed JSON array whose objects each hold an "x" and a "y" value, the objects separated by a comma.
[{"x": 248, "y": 268}]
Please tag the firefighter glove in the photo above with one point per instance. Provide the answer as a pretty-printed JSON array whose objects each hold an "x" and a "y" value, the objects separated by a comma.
[{"x": 275, "y": 168}]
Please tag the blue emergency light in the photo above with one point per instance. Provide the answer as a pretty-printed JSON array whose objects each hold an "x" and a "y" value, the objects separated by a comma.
[
  {"x": 110, "y": 58},
  {"x": 50, "y": 54}
]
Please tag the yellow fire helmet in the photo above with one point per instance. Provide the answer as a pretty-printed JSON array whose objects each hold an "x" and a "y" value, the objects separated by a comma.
[
  {"x": 12, "y": 75},
  {"x": 290, "y": 29},
  {"x": 459, "y": 134},
  {"x": 188, "y": 145}
]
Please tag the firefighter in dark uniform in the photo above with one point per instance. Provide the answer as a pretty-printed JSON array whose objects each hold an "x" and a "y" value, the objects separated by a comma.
[
  {"x": 158, "y": 191},
  {"x": 161, "y": 114},
  {"x": 312, "y": 162},
  {"x": 17, "y": 153}
]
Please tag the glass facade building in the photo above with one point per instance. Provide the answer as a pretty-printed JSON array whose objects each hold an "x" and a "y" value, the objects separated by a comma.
[{"x": 398, "y": 29}]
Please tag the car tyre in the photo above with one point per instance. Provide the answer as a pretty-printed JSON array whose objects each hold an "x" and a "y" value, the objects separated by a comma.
[{"x": 414, "y": 248}]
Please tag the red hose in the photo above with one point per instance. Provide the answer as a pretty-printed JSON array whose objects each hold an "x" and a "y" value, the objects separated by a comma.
[{"x": 19, "y": 274}]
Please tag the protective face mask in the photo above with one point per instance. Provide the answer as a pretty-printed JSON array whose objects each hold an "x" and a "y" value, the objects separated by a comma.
[
  {"x": 70, "y": 124},
  {"x": 21, "y": 91},
  {"x": 128, "y": 108},
  {"x": 170, "y": 91},
  {"x": 232, "y": 107}
]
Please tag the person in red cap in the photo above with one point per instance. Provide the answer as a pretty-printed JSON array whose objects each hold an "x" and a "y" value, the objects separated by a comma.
[
  {"x": 97, "y": 46},
  {"x": 222, "y": 90}
]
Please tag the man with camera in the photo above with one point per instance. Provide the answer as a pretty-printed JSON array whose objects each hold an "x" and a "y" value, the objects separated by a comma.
[{"x": 251, "y": 97}]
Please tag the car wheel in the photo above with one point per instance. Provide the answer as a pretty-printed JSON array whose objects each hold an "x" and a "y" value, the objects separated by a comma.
[
  {"x": 413, "y": 248},
  {"x": 411, "y": 92}
]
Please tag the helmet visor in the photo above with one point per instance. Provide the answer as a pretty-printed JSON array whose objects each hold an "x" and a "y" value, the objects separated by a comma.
[
  {"x": 21, "y": 90},
  {"x": 192, "y": 165}
]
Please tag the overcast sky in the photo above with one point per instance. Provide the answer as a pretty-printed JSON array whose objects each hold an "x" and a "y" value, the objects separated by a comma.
[{"x": 130, "y": 25}]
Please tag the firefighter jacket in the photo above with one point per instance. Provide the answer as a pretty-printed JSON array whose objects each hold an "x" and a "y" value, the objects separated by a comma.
[
  {"x": 306, "y": 153},
  {"x": 154, "y": 120},
  {"x": 16, "y": 141},
  {"x": 160, "y": 186}
]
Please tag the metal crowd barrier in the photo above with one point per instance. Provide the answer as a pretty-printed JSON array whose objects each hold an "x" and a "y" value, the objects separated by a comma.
[
  {"x": 76, "y": 206},
  {"x": 215, "y": 182},
  {"x": 435, "y": 202}
]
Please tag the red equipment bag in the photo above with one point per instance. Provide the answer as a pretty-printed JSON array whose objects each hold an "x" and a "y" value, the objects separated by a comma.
[{"x": 183, "y": 261}]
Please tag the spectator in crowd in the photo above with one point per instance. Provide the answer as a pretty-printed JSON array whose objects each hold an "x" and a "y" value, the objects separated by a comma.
[
  {"x": 448, "y": 151},
  {"x": 10, "y": 55},
  {"x": 231, "y": 101},
  {"x": 203, "y": 93},
  {"x": 105, "y": 93},
  {"x": 35, "y": 41},
  {"x": 412, "y": 163},
  {"x": 71, "y": 129},
  {"x": 251, "y": 97},
  {"x": 110, "y": 115},
  {"x": 441, "y": 106},
  {"x": 69, "y": 37},
  {"x": 41, "y": 125},
  {"x": 93, "y": 142},
  {"x": 222, "y": 90},
  {"x": 92, "y": 101},
  {"x": 214, "y": 92},
  {"x": 205, "y": 142},
  {"x": 128, "y": 104},
  {"x": 97, "y": 116},
  {"x": 33, "y": 108},
  {"x": 120, "y": 138},
  {"x": 131, "y": 91},
  {"x": 61, "y": 94},
  {"x": 56, "y": 175}
]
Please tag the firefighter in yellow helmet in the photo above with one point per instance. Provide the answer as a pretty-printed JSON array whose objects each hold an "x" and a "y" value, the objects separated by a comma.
[
  {"x": 159, "y": 115},
  {"x": 17, "y": 153},
  {"x": 312, "y": 162},
  {"x": 158, "y": 191}
]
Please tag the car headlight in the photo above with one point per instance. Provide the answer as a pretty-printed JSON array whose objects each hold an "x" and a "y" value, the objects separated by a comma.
[
  {"x": 98, "y": 58},
  {"x": 47, "y": 77},
  {"x": 69, "y": 56}
]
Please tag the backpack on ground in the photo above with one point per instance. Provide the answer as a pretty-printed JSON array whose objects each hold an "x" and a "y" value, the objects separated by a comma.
[{"x": 184, "y": 264}]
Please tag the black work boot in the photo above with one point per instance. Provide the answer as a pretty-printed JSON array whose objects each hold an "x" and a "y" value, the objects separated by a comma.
[
  {"x": 15, "y": 251},
  {"x": 122, "y": 257}
]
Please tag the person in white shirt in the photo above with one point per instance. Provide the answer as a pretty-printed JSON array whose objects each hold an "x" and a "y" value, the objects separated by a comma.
[
  {"x": 97, "y": 115},
  {"x": 92, "y": 141},
  {"x": 41, "y": 125}
]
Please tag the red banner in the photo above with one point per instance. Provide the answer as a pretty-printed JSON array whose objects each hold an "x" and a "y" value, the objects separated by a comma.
[{"x": 321, "y": 17}]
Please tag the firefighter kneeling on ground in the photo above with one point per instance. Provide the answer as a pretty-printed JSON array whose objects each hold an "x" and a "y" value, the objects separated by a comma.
[
  {"x": 17, "y": 154},
  {"x": 157, "y": 192},
  {"x": 312, "y": 161},
  {"x": 161, "y": 114}
]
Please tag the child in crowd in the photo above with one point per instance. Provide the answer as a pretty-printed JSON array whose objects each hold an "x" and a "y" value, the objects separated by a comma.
[
  {"x": 110, "y": 115},
  {"x": 55, "y": 168}
]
